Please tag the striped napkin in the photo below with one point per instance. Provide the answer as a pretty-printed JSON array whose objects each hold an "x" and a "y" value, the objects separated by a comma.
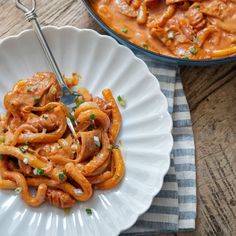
[{"x": 174, "y": 208}]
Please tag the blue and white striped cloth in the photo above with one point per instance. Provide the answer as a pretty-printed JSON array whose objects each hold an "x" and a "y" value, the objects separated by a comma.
[{"x": 174, "y": 208}]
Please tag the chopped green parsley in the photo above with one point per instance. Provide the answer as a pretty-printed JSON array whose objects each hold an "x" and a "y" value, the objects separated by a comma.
[
  {"x": 193, "y": 50},
  {"x": 124, "y": 30},
  {"x": 38, "y": 171},
  {"x": 89, "y": 211},
  {"x": 121, "y": 100},
  {"x": 92, "y": 117},
  {"x": 36, "y": 99},
  {"x": 24, "y": 148},
  {"x": 61, "y": 176}
]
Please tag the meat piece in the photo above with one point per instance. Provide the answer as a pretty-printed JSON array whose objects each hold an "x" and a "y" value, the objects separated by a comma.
[
  {"x": 37, "y": 91},
  {"x": 31, "y": 91},
  {"x": 195, "y": 16},
  {"x": 126, "y": 9},
  {"x": 88, "y": 145},
  {"x": 186, "y": 29},
  {"x": 104, "y": 106},
  {"x": 85, "y": 94},
  {"x": 45, "y": 121},
  {"x": 214, "y": 8},
  {"x": 71, "y": 82},
  {"x": 59, "y": 198},
  {"x": 203, "y": 34},
  {"x": 142, "y": 14},
  {"x": 160, "y": 34}
]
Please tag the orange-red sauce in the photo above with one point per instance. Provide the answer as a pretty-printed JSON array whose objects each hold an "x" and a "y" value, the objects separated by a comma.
[
  {"x": 37, "y": 148},
  {"x": 199, "y": 29}
]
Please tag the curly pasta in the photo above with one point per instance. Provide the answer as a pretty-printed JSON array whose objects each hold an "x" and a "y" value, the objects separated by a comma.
[{"x": 37, "y": 149}]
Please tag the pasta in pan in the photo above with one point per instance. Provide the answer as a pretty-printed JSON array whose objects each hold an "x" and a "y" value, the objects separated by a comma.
[
  {"x": 37, "y": 149},
  {"x": 188, "y": 29}
]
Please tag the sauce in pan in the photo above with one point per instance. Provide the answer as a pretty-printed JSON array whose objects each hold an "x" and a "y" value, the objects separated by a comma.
[{"x": 196, "y": 29}]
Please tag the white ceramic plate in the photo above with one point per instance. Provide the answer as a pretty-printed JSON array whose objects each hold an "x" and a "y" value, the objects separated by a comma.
[{"x": 146, "y": 131}]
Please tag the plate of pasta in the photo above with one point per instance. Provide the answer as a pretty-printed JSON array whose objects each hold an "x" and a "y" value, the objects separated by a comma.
[{"x": 100, "y": 180}]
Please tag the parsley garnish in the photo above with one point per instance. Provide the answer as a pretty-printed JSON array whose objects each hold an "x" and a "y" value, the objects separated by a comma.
[
  {"x": 89, "y": 211},
  {"x": 61, "y": 176},
  {"x": 38, "y": 171},
  {"x": 117, "y": 176},
  {"x": 2, "y": 140},
  {"x": 144, "y": 45},
  {"x": 45, "y": 117},
  {"x": 24, "y": 148},
  {"x": 18, "y": 190},
  {"x": 193, "y": 50},
  {"x": 186, "y": 58},
  {"x": 36, "y": 99},
  {"x": 121, "y": 100},
  {"x": 116, "y": 146},
  {"x": 79, "y": 103},
  {"x": 72, "y": 117},
  {"x": 92, "y": 117},
  {"x": 124, "y": 30}
]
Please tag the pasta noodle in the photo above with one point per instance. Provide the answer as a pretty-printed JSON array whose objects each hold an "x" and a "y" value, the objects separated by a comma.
[
  {"x": 37, "y": 149},
  {"x": 224, "y": 52},
  {"x": 188, "y": 29},
  {"x": 116, "y": 116},
  {"x": 119, "y": 172}
]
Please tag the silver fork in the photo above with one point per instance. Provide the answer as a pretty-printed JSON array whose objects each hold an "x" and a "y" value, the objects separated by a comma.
[{"x": 68, "y": 97}]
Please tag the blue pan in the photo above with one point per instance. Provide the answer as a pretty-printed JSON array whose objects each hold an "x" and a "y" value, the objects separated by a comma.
[{"x": 159, "y": 57}]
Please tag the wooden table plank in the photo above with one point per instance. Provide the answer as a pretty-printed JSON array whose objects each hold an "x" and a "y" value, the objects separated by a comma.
[{"x": 211, "y": 93}]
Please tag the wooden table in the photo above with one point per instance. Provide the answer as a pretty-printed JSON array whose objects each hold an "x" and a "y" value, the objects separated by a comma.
[{"x": 211, "y": 93}]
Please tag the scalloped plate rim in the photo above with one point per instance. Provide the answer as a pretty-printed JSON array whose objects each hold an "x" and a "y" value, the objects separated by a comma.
[{"x": 170, "y": 124}]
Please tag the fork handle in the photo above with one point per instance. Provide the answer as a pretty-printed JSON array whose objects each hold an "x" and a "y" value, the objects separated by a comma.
[
  {"x": 48, "y": 52},
  {"x": 31, "y": 16}
]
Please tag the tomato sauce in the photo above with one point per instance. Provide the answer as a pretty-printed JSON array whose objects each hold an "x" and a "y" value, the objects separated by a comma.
[{"x": 199, "y": 29}]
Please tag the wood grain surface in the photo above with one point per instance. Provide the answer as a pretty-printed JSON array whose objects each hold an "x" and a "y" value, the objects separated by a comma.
[{"x": 211, "y": 93}]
